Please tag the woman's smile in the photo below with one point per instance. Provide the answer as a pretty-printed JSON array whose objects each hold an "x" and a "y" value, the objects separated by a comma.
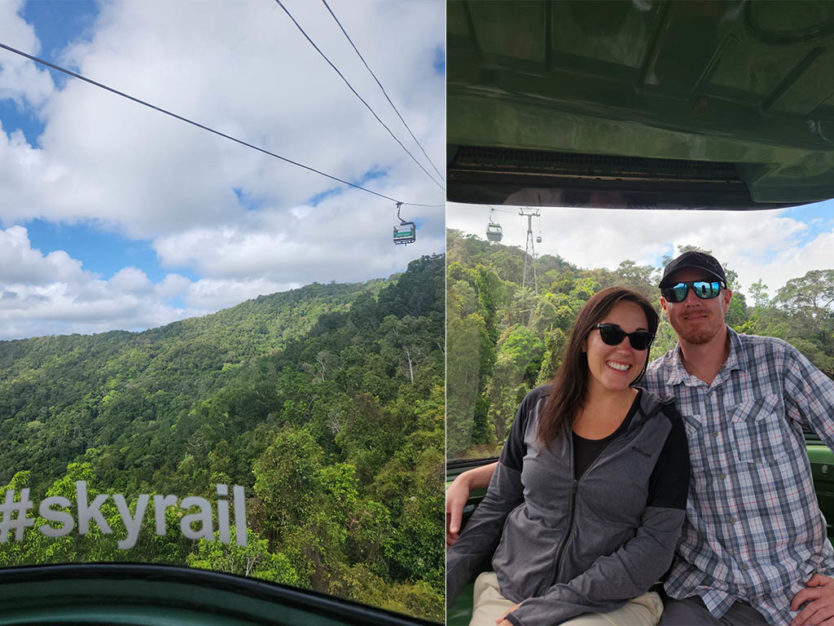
[{"x": 620, "y": 367}]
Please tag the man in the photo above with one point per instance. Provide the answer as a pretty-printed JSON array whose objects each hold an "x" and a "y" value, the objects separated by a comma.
[{"x": 754, "y": 548}]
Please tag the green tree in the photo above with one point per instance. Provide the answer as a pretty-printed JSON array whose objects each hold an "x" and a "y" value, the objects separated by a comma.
[
  {"x": 520, "y": 353},
  {"x": 810, "y": 298},
  {"x": 254, "y": 559}
]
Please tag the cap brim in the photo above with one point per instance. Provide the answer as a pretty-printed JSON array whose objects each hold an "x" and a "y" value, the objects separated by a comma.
[{"x": 668, "y": 282}]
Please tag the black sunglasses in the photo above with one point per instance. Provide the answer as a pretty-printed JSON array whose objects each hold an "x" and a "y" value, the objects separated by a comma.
[
  {"x": 613, "y": 335},
  {"x": 704, "y": 289}
]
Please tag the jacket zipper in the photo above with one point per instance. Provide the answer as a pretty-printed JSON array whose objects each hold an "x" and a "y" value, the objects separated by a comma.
[
  {"x": 564, "y": 544},
  {"x": 613, "y": 447}
]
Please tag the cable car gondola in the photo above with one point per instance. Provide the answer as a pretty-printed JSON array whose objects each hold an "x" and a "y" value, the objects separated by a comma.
[
  {"x": 405, "y": 232},
  {"x": 494, "y": 231}
]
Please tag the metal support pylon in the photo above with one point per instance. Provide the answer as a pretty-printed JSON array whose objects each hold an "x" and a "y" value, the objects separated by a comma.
[{"x": 529, "y": 250}]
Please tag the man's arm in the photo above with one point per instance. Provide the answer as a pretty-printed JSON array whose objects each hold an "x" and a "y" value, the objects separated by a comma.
[
  {"x": 505, "y": 492},
  {"x": 458, "y": 493},
  {"x": 810, "y": 399},
  {"x": 472, "y": 552},
  {"x": 809, "y": 395}
]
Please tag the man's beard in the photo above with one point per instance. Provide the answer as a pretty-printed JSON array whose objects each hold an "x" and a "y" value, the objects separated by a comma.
[{"x": 697, "y": 334}]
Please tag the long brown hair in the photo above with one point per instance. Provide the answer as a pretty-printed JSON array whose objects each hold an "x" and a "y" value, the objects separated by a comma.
[{"x": 570, "y": 385}]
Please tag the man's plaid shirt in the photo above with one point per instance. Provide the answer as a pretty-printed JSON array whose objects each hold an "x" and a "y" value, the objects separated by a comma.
[{"x": 754, "y": 531}]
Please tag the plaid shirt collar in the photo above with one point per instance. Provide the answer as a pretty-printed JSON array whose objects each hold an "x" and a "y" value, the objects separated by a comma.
[{"x": 737, "y": 360}]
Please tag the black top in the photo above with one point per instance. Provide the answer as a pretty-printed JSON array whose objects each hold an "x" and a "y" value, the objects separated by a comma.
[{"x": 585, "y": 451}]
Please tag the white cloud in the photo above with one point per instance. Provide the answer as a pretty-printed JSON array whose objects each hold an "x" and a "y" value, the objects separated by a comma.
[
  {"x": 52, "y": 294},
  {"x": 331, "y": 241},
  {"x": 243, "y": 222},
  {"x": 764, "y": 245},
  {"x": 210, "y": 295},
  {"x": 20, "y": 264},
  {"x": 20, "y": 79},
  {"x": 131, "y": 280},
  {"x": 244, "y": 69}
]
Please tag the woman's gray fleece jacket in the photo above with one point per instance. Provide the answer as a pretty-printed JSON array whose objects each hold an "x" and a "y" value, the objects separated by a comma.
[{"x": 567, "y": 547}]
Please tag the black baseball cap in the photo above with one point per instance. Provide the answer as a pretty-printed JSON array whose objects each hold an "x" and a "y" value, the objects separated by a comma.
[{"x": 693, "y": 260}]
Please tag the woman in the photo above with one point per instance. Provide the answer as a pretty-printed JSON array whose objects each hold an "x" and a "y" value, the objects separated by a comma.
[{"x": 587, "y": 500}]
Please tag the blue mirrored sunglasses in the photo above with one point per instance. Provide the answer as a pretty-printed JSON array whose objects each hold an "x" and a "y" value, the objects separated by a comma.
[{"x": 705, "y": 290}]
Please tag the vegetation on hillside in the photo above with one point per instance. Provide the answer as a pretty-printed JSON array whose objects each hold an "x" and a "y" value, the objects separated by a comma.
[{"x": 324, "y": 403}]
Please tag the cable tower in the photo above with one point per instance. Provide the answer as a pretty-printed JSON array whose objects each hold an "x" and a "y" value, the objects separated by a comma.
[{"x": 529, "y": 250}]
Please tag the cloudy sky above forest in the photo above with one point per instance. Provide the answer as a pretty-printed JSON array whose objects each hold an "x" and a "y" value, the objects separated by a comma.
[
  {"x": 113, "y": 215},
  {"x": 773, "y": 246}
]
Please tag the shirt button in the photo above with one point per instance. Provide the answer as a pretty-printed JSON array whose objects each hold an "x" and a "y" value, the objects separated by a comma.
[
  {"x": 714, "y": 433},
  {"x": 722, "y": 475},
  {"x": 733, "y": 520}
]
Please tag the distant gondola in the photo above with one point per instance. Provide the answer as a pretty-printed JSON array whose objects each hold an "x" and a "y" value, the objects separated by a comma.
[
  {"x": 494, "y": 231},
  {"x": 404, "y": 232}
]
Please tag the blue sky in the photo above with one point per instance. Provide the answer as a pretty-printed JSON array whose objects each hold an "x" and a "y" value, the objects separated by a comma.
[
  {"x": 819, "y": 218},
  {"x": 58, "y": 23},
  {"x": 102, "y": 253},
  {"x": 15, "y": 117},
  {"x": 115, "y": 216}
]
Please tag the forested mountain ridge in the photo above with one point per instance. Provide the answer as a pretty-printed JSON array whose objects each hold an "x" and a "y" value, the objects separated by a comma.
[
  {"x": 44, "y": 377},
  {"x": 503, "y": 339},
  {"x": 325, "y": 404},
  {"x": 264, "y": 323}
]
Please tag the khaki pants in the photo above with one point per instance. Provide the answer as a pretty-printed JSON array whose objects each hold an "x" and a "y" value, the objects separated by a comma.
[{"x": 489, "y": 605}]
